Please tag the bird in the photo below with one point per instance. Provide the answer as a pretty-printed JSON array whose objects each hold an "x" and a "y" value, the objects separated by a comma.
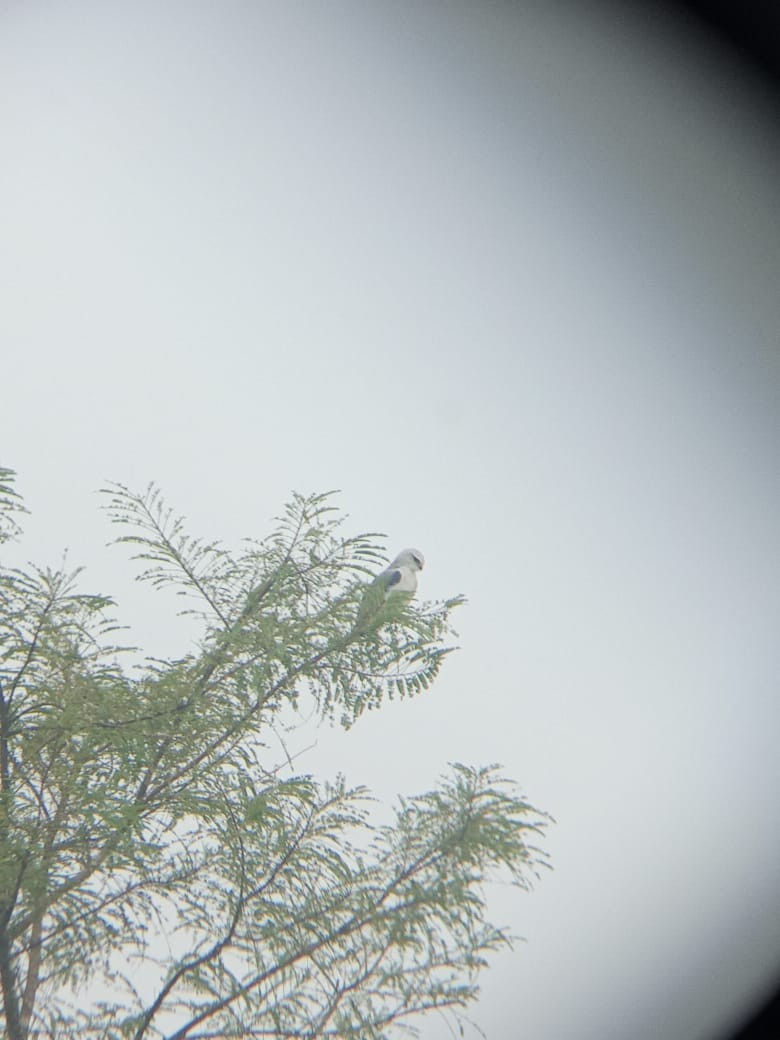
[{"x": 399, "y": 578}]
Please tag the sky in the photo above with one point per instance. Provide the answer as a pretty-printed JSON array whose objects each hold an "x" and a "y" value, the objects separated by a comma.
[{"x": 506, "y": 276}]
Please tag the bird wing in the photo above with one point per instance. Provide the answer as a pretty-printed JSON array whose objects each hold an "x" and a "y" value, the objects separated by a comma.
[
  {"x": 377, "y": 592},
  {"x": 390, "y": 578}
]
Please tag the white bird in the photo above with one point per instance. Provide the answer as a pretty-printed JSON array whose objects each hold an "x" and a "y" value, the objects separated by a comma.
[{"x": 399, "y": 577}]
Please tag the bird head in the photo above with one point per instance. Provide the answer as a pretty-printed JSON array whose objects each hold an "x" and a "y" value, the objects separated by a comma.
[{"x": 411, "y": 558}]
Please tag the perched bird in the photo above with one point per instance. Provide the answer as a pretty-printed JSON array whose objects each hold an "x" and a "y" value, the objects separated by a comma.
[{"x": 399, "y": 577}]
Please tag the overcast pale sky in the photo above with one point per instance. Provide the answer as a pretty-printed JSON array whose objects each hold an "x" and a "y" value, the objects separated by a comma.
[{"x": 507, "y": 275}]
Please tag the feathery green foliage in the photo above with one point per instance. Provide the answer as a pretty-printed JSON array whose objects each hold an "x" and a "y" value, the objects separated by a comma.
[
  {"x": 10, "y": 505},
  {"x": 158, "y": 876}
]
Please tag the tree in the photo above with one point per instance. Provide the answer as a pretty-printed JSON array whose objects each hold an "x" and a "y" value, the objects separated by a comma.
[{"x": 159, "y": 876}]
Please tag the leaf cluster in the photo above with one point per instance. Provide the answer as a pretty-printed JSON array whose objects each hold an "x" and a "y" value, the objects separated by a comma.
[{"x": 146, "y": 834}]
